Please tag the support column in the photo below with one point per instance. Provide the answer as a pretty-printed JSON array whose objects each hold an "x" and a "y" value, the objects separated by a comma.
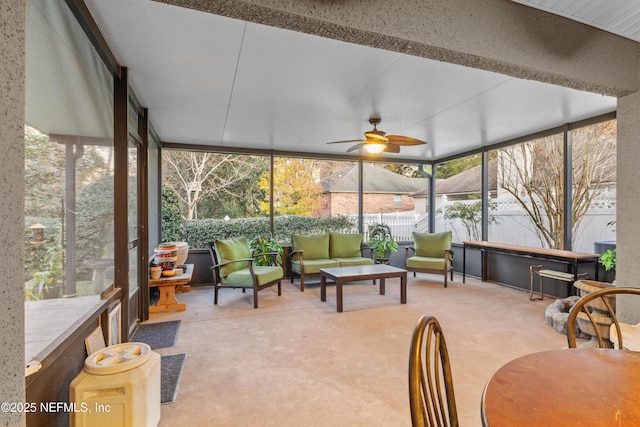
[
  {"x": 12, "y": 107},
  {"x": 628, "y": 203}
]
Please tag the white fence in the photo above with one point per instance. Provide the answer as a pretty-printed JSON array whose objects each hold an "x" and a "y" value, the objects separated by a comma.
[
  {"x": 512, "y": 225},
  {"x": 402, "y": 224}
]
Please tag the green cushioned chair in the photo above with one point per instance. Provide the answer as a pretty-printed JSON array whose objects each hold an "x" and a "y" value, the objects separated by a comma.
[
  {"x": 431, "y": 253},
  {"x": 233, "y": 267},
  {"x": 311, "y": 253}
]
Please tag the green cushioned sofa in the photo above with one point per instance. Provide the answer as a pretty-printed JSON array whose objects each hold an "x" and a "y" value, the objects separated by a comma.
[
  {"x": 311, "y": 253},
  {"x": 431, "y": 253},
  {"x": 234, "y": 267}
]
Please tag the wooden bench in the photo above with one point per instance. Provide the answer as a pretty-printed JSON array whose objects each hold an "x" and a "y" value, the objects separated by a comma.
[{"x": 552, "y": 274}]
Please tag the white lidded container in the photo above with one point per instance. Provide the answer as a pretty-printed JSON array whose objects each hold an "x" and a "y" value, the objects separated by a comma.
[{"x": 119, "y": 386}]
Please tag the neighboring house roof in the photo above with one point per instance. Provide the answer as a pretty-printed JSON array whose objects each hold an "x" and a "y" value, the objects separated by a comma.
[
  {"x": 376, "y": 180},
  {"x": 469, "y": 181}
]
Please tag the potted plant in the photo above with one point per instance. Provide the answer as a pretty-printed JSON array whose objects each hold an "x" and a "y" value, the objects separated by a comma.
[
  {"x": 608, "y": 259},
  {"x": 264, "y": 245},
  {"x": 381, "y": 242}
]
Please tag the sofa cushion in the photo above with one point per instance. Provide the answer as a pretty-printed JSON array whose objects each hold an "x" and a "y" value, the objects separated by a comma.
[
  {"x": 266, "y": 274},
  {"x": 314, "y": 247},
  {"x": 431, "y": 245},
  {"x": 425, "y": 263},
  {"x": 344, "y": 245},
  {"x": 346, "y": 262},
  {"x": 313, "y": 266},
  {"x": 231, "y": 249}
]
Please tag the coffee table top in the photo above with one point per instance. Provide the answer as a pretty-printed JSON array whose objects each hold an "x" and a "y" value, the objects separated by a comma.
[{"x": 361, "y": 270}]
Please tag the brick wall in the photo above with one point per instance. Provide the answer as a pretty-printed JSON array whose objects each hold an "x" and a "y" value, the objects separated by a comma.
[{"x": 347, "y": 203}]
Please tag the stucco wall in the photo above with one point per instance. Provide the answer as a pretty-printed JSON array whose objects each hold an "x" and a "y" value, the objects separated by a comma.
[
  {"x": 12, "y": 45},
  {"x": 628, "y": 191}
]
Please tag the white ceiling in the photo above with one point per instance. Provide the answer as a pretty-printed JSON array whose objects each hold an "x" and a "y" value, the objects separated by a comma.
[
  {"x": 621, "y": 17},
  {"x": 216, "y": 81}
]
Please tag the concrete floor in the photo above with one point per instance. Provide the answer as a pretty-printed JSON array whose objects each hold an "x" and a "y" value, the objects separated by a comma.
[{"x": 295, "y": 361}]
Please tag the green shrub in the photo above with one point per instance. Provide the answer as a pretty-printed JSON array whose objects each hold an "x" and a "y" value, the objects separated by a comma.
[
  {"x": 172, "y": 221},
  {"x": 198, "y": 232}
]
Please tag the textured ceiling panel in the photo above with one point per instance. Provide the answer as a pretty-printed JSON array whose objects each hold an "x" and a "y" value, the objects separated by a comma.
[
  {"x": 620, "y": 17},
  {"x": 216, "y": 81}
]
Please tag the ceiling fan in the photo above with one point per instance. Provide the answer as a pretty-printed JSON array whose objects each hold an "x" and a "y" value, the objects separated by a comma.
[{"x": 377, "y": 141}]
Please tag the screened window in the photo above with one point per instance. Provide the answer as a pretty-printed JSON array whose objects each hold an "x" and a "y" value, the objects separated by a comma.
[{"x": 68, "y": 172}]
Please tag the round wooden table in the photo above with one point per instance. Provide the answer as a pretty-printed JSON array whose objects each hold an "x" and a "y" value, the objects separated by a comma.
[{"x": 585, "y": 387}]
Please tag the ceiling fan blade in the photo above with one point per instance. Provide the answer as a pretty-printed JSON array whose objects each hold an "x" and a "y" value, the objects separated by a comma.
[
  {"x": 355, "y": 147},
  {"x": 376, "y": 135},
  {"x": 404, "y": 140},
  {"x": 346, "y": 140},
  {"x": 392, "y": 148}
]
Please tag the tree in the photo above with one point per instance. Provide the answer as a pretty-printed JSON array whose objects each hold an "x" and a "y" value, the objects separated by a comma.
[
  {"x": 297, "y": 189},
  {"x": 410, "y": 171},
  {"x": 196, "y": 175},
  {"x": 44, "y": 174},
  {"x": 470, "y": 215},
  {"x": 454, "y": 167},
  {"x": 532, "y": 173}
]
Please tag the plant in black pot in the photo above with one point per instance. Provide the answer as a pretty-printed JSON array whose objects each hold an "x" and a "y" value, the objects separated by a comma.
[
  {"x": 381, "y": 242},
  {"x": 263, "y": 245},
  {"x": 608, "y": 260}
]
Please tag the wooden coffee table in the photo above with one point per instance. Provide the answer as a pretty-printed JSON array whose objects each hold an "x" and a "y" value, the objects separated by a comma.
[{"x": 361, "y": 272}]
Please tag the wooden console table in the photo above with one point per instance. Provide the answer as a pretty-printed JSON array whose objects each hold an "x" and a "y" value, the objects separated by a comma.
[
  {"x": 570, "y": 258},
  {"x": 168, "y": 287}
]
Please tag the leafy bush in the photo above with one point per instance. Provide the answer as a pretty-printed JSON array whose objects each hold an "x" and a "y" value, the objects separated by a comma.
[
  {"x": 172, "y": 228},
  {"x": 198, "y": 232},
  {"x": 35, "y": 254},
  {"x": 94, "y": 224}
]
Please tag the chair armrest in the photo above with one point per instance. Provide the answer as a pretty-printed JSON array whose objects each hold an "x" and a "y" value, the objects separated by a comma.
[
  {"x": 222, "y": 264},
  {"x": 366, "y": 248},
  {"x": 448, "y": 253},
  {"x": 296, "y": 252},
  {"x": 407, "y": 250}
]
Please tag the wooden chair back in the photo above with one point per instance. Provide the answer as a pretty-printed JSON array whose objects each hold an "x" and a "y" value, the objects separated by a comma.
[
  {"x": 431, "y": 394},
  {"x": 595, "y": 306}
]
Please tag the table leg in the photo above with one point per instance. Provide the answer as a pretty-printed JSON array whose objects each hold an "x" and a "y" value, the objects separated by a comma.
[
  {"x": 403, "y": 288},
  {"x": 323, "y": 287},
  {"x": 382, "y": 286},
  {"x": 167, "y": 300},
  {"x": 339, "y": 295},
  {"x": 464, "y": 263}
]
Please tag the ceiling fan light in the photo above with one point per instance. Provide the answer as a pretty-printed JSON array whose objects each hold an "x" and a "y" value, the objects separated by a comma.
[{"x": 374, "y": 147}]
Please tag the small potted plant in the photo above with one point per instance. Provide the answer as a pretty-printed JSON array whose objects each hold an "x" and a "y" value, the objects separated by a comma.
[
  {"x": 381, "y": 242},
  {"x": 608, "y": 260},
  {"x": 265, "y": 245},
  {"x": 608, "y": 257}
]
